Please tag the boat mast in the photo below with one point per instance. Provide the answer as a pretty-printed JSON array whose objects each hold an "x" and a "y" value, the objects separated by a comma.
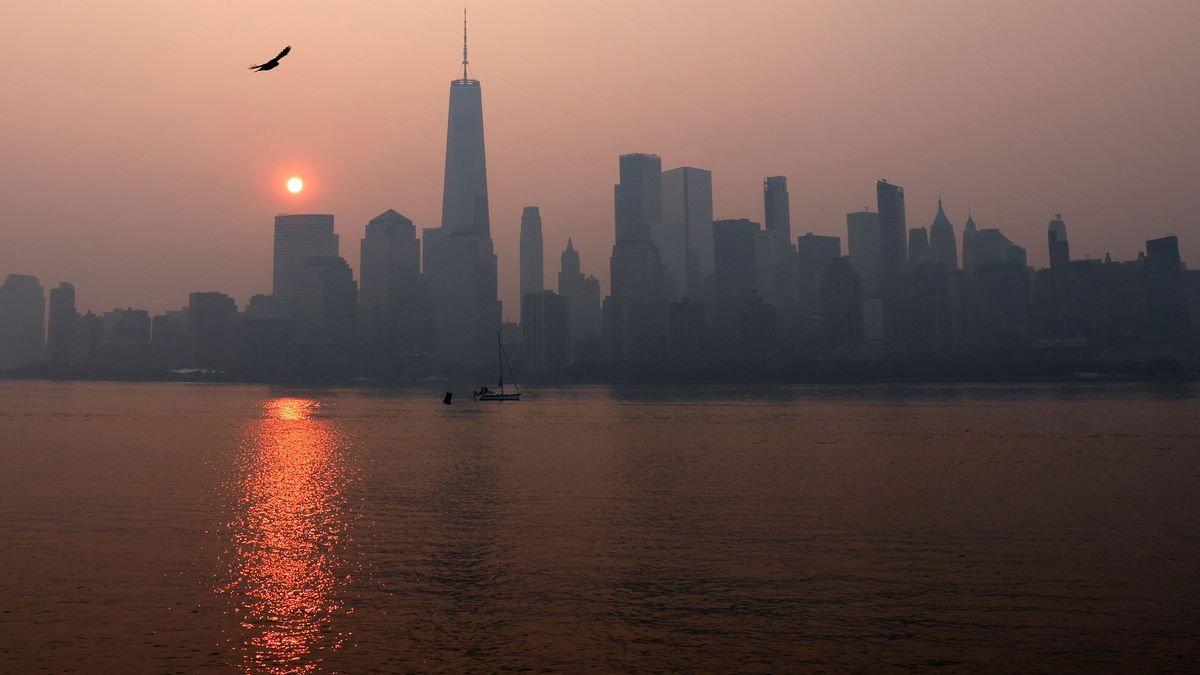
[
  {"x": 500, "y": 359},
  {"x": 511, "y": 376}
]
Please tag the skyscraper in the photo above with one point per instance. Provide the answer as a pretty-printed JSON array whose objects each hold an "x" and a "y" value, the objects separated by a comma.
[
  {"x": 862, "y": 235},
  {"x": 391, "y": 291},
  {"x": 208, "y": 318},
  {"x": 22, "y": 320},
  {"x": 919, "y": 251},
  {"x": 687, "y": 208},
  {"x": 329, "y": 331},
  {"x": 546, "y": 332},
  {"x": 1056, "y": 236},
  {"x": 459, "y": 260},
  {"x": 893, "y": 257},
  {"x": 464, "y": 191},
  {"x": 298, "y": 238},
  {"x": 813, "y": 253},
  {"x": 641, "y": 283},
  {"x": 638, "y": 196},
  {"x": 1164, "y": 282},
  {"x": 532, "y": 278},
  {"x": 776, "y": 208},
  {"x": 582, "y": 294},
  {"x": 968, "y": 243},
  {"x": 942, "y": 242},
  {"x": 841, "y": 305},
  {"x": 60, "y": 335}
]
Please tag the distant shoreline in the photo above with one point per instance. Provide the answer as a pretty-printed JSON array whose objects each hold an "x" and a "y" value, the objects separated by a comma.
[{"x": 462, "y": 380}]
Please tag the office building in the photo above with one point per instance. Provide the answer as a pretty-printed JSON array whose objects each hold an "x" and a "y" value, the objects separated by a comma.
[
  {"x": 459, "y": 259},
  {"x": 22, "y": 322},
  {"x": 546, "y": 332},
  {"x": 942, "y": 242},
  {"x": 862, "y": 237},
  {"x": 391, "y": 295},
  {"x": 61, "y": 325},
  {"x": 298, "y": 238},
  {"x": 532, "y": 277},
  {"x": 582, "y": 295},
  {"x": 687, "y": 212},
  {"x": 893, "y": 258}
]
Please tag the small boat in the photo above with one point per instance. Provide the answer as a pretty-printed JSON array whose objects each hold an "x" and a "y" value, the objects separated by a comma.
[{"x": 499, "y": 393}]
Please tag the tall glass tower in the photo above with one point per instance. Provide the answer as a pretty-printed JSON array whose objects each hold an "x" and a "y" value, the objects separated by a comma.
[
  {"x": 459, "y": 261},
  {"x": 464, "y": 193}
]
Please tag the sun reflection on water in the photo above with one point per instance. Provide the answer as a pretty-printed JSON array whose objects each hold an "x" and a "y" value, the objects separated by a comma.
[{"x": 289, "y": 535}]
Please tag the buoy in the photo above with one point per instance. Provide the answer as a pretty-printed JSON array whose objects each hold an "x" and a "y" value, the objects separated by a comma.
[{"x": 449, "y": 395}]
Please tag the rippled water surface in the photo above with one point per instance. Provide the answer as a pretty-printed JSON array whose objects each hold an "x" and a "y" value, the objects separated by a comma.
[{"x": 174, "y": 527}]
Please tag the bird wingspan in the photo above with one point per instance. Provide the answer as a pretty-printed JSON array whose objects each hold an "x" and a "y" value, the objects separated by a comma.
[{"x": 284, "y": 52}]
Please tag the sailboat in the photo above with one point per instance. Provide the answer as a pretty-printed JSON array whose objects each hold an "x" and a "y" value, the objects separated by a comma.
[{"x": 499, "y": 394}]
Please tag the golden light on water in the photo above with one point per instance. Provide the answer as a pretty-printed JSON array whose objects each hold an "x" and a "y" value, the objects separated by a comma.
[
  {"x": 295, "y": 185},
  {"x": 289, "y": 533}
]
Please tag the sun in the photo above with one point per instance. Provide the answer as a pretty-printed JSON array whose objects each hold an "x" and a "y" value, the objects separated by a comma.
[{"x": 295, "y": 185}]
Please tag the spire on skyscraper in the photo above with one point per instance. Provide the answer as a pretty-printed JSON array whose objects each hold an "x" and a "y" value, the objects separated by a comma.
[
  {"x": 464, "y": 61},
  {"x": 942, "y": 243}
]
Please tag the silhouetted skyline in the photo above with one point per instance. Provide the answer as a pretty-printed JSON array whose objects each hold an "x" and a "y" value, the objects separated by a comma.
[
  {"x": 149, "y": 156},
  {"x": 762, "y": 307}
]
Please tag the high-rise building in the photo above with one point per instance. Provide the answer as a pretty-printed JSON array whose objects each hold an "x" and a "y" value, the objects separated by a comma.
[
  {"x": 1164, "y": 282},
  {"x": 532, "y": 277},
  {"x": 968, "y": 243},
  {"x": 391, "y": 292},
  {"x": 999, "y": 302},
  {"x": 208, "y": 318},
  {"x": 942, "y": 244},
  {"x": 641, "y": 282},
  {"x": 329, "y": 332},
  {"x": 125, "y": 339},
  {"x": 638, "y": 196},
  {"x": 918, "y": 247},
  {"x": 862, "y": 236},
  {"x": 171, "y": 344},
  {"x": 735, "y": 272},
  {"x": 989, "y": 246},
  {"x": 687, "y": 211},
  {"x": 778, "y": 280},
  {"x": 459, "y": 259},
  {"x": 841, "y": 305},
  {"x": 546, "y": 332},
  {"x": 1056, "y": 236},
  {"x": 776, "y": 209},
  {"x": 88, "y": 331},
  {"x": 893, "y": 258},
  {"x": 813, "y": 253},
  {"x": 637, "y": 267},
  {"x": 61, "y": 325},
  {"x": 735, "y": 282},
  {"x": 671, "y": 241},
  {"x": 464, "y": 190},
  {"x": 22, "y": 322},
  {"x": 298, "y": 238},
  {"x": 582, "y": 295}
]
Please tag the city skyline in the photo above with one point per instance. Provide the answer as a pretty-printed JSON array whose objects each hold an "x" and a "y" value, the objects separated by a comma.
[{"x": 191, "y": 216}]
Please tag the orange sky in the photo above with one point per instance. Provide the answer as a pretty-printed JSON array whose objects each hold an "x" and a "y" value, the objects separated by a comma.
[{"x": 141, "y": 160}]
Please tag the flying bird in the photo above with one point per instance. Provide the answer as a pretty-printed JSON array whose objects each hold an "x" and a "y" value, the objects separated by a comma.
[{"x": 273, "y": 62}]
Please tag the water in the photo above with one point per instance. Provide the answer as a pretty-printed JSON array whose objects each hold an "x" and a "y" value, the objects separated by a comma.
[{"x": 174, "y": 527}]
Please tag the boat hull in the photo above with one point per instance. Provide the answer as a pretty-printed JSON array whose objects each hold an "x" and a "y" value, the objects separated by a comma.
[{"x": 498, "y": 397}]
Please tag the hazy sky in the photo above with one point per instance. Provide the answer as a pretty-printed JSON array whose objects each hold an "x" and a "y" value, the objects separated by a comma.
[{"x": 141, "y": 160}]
